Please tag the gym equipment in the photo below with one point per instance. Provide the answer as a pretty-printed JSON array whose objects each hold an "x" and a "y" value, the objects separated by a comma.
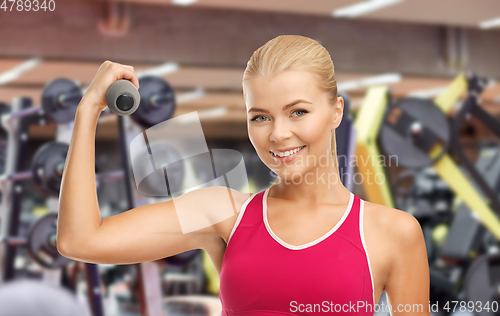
[
  {"x": 157, "y": 102},
  {"x": 154, "y": 183},
  {"x": 212, "y": 277},
  {"x": 182, "y": 258},
  {"x": 415, "y": 136},
  {"x": 448, "y": 171},
  {"x": 370, "y": 119},
  {"x": 211, "y": 168},
  {"x": 16, "y": 154},
  {"x": 482, "y": 283},
  {"x": 46, "y": 170},
  {"x": 148, "y": 279},
  {"x": 186, "y": 277},
  {"x": 4, "y": 108},
  {"x": 41, "y": 243},
  {"x": 429, "y": 199},
  {"x": 411, "y": 129},
  {"x": 48, "y": 165},
  {"x": 346, "y": 141},
  {"x": 47, "y": 256},
  {"x": 122, "y": 97},
  {"x": 464, "y": 240},
  {"x": 368, "y": 124},
  {"x": 60, "y": 98}
]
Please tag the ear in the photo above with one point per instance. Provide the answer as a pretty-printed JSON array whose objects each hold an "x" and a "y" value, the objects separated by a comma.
[{"x": 338, "y": 112}]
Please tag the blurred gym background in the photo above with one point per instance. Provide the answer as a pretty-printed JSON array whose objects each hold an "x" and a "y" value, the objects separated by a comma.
[{"x": 435, "y": 62}]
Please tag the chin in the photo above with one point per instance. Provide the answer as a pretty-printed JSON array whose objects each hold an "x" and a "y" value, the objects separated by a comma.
[{"x": 291, "y": 174}]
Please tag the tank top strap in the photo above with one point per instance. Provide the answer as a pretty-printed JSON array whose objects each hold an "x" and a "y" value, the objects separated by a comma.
[
  {"x": 250, "y": 213},
  {"x": 351, "y": 229}
]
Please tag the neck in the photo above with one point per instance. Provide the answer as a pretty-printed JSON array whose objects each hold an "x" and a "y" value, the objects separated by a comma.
[{"x": 318, "y": 185}]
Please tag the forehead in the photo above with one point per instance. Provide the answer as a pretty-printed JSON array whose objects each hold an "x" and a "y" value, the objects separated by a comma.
[{"x": 282, "y": 88}]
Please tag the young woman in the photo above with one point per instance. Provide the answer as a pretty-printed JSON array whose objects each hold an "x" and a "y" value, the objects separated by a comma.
[{"x": 304, "y": 246}]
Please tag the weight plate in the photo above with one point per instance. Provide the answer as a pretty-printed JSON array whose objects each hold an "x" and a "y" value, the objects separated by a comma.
[
  {"x": 482, "y": 283},
  {"x": 410, "y": 130},
  {"x": 42, "y": 243},
  {"x": 47, "y": 167},
  {"x": 155, "y": 183},
  {"x": 182, "y": 258},
  {"x": 60, "y": 99},
  {"x": 157, "y": 102}
]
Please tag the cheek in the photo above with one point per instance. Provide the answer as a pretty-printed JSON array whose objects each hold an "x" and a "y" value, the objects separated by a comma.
[
  {"x": 315, "y": 131},
  {"x": 257, "y": 138}
]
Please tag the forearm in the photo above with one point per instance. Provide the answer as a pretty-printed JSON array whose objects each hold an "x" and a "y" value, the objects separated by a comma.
[{"x": 79, "y": 214}]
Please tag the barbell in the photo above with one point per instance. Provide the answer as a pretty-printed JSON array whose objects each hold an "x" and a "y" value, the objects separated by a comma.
[
  {"x": 60, "y": 98},
  {"x": 152, "y": 103},
  {"x": 46, "y": 169}
]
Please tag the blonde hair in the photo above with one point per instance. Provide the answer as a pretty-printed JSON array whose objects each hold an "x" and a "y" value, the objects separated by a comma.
[{"x": 295, "y": 52}]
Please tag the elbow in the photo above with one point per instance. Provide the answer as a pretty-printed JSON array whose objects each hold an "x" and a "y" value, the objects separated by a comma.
[
  {"x": 81, "y": 251},
  {"x": 64, "y": 248},
  {"x": 69, "y": 250}
]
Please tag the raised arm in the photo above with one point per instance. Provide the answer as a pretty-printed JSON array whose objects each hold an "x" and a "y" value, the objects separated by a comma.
[{"x": 141, "y": 234}]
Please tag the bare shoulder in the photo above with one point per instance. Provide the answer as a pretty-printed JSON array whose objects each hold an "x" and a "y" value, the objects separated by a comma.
[
  {"x": 397, "y": 227},
  {"x": 227, "y": 225}
]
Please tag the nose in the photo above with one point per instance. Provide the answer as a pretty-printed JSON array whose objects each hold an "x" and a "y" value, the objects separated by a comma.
[{"x": 280, "y": 131}]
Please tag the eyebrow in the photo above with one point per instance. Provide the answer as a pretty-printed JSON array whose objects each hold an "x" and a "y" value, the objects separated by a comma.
[{"x": 284, "y": 108}]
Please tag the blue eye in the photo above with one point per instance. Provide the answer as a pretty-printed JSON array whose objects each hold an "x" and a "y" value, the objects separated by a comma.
[
  {"x": 300, "y": 110},
  {"x": 255, "y": 118}
]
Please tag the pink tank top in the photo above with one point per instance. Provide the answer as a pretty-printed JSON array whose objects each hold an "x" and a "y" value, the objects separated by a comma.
[{"x": 263, "y": 275}]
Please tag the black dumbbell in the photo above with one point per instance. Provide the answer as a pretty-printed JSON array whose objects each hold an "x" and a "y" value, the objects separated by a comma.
[{"x": 122, "y": 97}]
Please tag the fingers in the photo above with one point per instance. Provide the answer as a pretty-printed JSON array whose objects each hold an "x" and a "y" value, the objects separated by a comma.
[
  {"x": 131, "y": 75},
  {"x": 122, "y": 71}
]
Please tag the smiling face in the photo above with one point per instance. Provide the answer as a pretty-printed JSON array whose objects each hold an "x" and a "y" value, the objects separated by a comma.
[{"x": 288, "y": 112}]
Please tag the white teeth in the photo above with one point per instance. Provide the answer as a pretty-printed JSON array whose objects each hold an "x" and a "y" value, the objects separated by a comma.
[{"x": 287, "y": 153}]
